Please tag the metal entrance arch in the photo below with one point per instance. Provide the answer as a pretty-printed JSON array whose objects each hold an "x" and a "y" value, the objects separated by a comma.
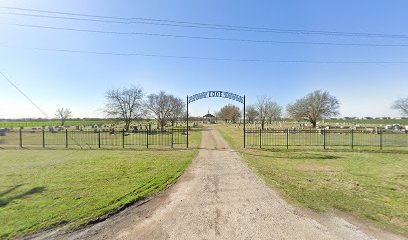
[{"x": 218, "y": 94}]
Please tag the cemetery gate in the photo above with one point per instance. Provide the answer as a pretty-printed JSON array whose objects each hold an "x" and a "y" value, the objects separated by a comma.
[{"x": 217, "y": 94}]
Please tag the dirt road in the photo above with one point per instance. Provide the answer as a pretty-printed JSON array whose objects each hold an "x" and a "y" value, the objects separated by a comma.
[{"x": 219, "y": 197}]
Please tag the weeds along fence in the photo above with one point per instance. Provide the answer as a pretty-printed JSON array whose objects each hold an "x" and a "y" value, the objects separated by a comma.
[
  {"x": 93, "y": 138},
  {"x": 325, "y": 138}
]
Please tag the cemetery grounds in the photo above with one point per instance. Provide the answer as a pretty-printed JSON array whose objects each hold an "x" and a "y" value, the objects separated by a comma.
[
  {"x": 47, "y": 188},
  {"x": 366, "y": 183}
]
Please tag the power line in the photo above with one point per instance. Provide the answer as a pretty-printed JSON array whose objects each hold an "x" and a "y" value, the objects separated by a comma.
[
  {"x": 210, "y": 38},
  {"x": 208, "y": 58},
  {"x": 25, "y": 95},
  {"x": 71, "y": 18},
  {"x": 187, "y": 24}
]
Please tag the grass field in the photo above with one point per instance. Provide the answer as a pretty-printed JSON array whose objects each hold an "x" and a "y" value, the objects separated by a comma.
[
  {"x": 48, "y": 123},
  {"x": 369, "y": 184},
  {"x": 363, "y": 123},
  {"x": 370, "y": 122},
  {"x": 42, "y": 189},
  {"x": 39, "y": 124}
]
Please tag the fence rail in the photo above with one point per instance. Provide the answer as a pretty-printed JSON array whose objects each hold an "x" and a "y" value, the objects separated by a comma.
[
  {"x": 93, "y": 138},
  {"x": 325, "y": 138}
]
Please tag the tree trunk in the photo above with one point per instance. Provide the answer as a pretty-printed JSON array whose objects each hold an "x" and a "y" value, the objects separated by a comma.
[
  {"x": 127, "y": 125},
  {"x": 162, "y": 123},
  {"x": 314, "y": 123}
]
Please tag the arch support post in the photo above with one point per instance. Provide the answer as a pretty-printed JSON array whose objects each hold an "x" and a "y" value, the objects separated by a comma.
[
  {"x": 244, "y": 122},
  {"x": 187, "y": 121}
]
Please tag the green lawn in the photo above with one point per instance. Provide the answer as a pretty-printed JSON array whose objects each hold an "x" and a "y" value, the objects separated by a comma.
[
  {"x": 41, "y": 189},
  {"x": 49, "y": 123},
  {"x": 370, "y": 184},
  {"x": 370, "y": 122}
]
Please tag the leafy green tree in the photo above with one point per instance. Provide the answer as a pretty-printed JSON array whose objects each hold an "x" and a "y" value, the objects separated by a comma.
[
  {"x": 230, "y": 113},
  {"x": 314, "y": 107}
]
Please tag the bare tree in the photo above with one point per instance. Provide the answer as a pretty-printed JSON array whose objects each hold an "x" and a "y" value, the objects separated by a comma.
[
  {"x": 401, "y": 105},
  {"x": 251, "y": 113},
  {"x": 273, "y": 111},
  {"x": 124, "y": 104},
  {"x": 314, "y": 107},
  {"x": 267, "y": 109},
  {"x": 165, "y": 107},
  {"x": 63, "y": 114},
  {"x": 229, "y": 113},
  {"x": 178, "y": 111}
]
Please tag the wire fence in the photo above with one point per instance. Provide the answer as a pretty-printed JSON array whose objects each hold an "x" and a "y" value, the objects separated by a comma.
[
  {"x": 325, "y": 138},
  {"x": 93, "y": 138}
]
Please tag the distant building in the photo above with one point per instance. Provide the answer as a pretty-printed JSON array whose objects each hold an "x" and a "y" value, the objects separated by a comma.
[{"x": 209, "y": 118}]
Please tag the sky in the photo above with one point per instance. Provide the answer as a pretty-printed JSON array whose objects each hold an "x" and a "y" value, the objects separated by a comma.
[{"x": 78, "y": 80}]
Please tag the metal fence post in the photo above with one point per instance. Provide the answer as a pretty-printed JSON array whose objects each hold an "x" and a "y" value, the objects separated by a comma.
[
  {"x": 66, "y": 138},
  {"x": 287, "y": 138},
  {"x": 21, "y": 137},
  {"x": 147, "y": 138},
  {"x": 162, "y": 135},
  {"x": 172, "y": 136},
  {"x": 43, "y": 137},
  {"x": 381, "y": 140},
  {"x": 324, "y": 138},
  {"x": 99, "y": 138},
  {"x": 123, "y": 138},
  {"x": 260, "y": 138},
  {"x": 352, "y": 138}
]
